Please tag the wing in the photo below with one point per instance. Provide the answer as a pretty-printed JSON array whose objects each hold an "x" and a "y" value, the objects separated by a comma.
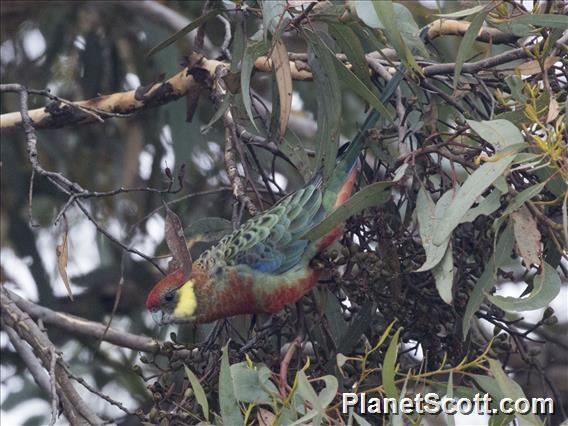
[{"x": 270, "y": 241}]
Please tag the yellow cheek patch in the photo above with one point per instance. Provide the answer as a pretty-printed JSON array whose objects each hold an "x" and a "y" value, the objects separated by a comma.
[{"x": 186, "y": 302}]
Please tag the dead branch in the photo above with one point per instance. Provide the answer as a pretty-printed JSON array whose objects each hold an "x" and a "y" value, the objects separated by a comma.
[
  {"x": 74, "y": 408},
  {"x": 83, "y": 327},
  {"x": 443, "y": 27}
]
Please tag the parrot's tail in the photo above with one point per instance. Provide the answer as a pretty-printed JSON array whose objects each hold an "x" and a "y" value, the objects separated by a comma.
[{"x": 338, "y": 188}]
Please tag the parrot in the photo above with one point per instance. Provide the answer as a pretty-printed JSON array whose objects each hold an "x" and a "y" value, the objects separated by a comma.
[{"x": 263, "y": 265}]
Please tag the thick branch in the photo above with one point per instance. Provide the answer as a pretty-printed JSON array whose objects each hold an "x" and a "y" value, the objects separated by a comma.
[
  {"x": 75, "y": 409},
  {"x": 442, "y": 27},
  {"x": 83, "y": 327}
]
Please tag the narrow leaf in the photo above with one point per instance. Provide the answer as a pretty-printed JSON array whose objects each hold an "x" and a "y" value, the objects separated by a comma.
[
  {"x": 527, "y": 236},
  {"x": 546, "y": 21},
  {"x": 485, "y": 207},
  {"x": 466, "y": 44},
  {"x": 461, "y": 13},
  {"x": 546, "y": 287},
  {"x": 450, "y": 394},
  {"x": 472, "y": 188},
  {"x": 252, "y": 52},
  {"x": 512, "y": 390},
  {"x": 230, "y": 411},
  {"x": 444, "y": 276},
  {"x": 350, "y": 80},
  {"x": 523, "y": 197},
  {"x": 429, "y": 216},
  {"x": 499, "y": 133},
  {"x": 385, "y": 11},
  {"x": 389, "y": 367},
  {"x": 328, "y": 96},
  {"x": 283, "y": 73},
  {"x": 62, "y": 252},
  {"x": 185, "y": 30},
  {"x": 501, "y": 254},
  {"x": 198, "y": 391},
  {"x": 374, "y": 195},
  {"x": 175, "y": 239}
]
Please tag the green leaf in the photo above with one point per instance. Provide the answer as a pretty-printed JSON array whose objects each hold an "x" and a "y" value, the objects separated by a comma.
[
  {"x": 293, "y": 148},
  {"x": 372, "y": 195},
  {"x": 239, "y": 43},
  {"x": 485, "y": 207},
  {"x": 357, "y": 327},
  {"x": 351, "y": 46},
  {"x": 499, "y": 133},
  {"x": 389, "y": 367},
  {"x": 501, "y": 254},
  {"x": 527, "y": 236},
  {"x": 546, "y": 21},
  {"x": 248, "y": 386},
  {"x": 207, "y": 229},
  {"x": 185, "y": 30},
  {"x": 512, "y": 390},
  {"x": 546, "y": 287},
  {"x": 360, "y": 420},
  {"x": 252, "y": 52},
  {"x": 450, "y": 394},
  {"x": 472, "y": 188},
  {"x": 429, "y": 216},
  {"x": 444, "y": 275},
  {"x": 198, "y": 391},
  {"x": 328, "y": 95},
  {"x": 274, "y": 16},
  {"x": 385, "y": 11},
  {"x": 523, "y": 197},
  {"x": 404, "y": 22},
  {"x": 464, "y": 51},
  {"x": 227, "y": 100},
  {"x": 462, "y": 13},
  {"x": 230, "y": 410},
  {"x": 329, "y": 392},
  {"x": 351, "y": 81}
]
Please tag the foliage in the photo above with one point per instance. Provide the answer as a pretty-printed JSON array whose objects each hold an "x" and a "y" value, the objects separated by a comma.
[{"x": 462, "y": 192}]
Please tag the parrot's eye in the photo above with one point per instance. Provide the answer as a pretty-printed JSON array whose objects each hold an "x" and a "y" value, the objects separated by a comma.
[{"x": 169, "y": 296}]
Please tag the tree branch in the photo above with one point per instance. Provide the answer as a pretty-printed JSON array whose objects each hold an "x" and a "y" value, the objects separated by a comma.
[{"x": 75, "y": 409}]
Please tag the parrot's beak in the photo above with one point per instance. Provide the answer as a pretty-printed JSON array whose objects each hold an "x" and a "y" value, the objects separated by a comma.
[{"x": 157, "y": 316}]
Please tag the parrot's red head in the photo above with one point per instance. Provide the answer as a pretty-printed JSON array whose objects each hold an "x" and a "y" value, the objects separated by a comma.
[{"x": 172, "y": 299}]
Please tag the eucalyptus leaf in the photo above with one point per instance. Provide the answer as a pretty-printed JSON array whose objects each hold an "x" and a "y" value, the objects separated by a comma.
[
  {"x": 385, "y": 11},
  {"x": 501, "y": 254},
  {"x": 499, "y": 133},
  {"x": 546, "y": 287},
  {"x": 198, "y": 391},
  {"x": 185, "y": 30},
  {"x": 389, "y": 367},
  {"x": 252, "y": 52},
  {"x": 247, "y": 384},
  {"x": 472, "y": 188},
  {"x": 444, "y": 276},
  {"x": 487, "y": 279},
  {"x": 512, "y": 390},
  {"x": 372, "y": 195},
  {"x": 523, "y": 196},
  {"x": 545, "y": 20},
  {"x": 230, "y": 410},
  {"x": 465, "y": 49},
  {"x": 488, "y": 205},
  {"x": 429, "y": 215},
  {"x": 462, "y": 13},
  {"x": 321, "y": 61}
]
